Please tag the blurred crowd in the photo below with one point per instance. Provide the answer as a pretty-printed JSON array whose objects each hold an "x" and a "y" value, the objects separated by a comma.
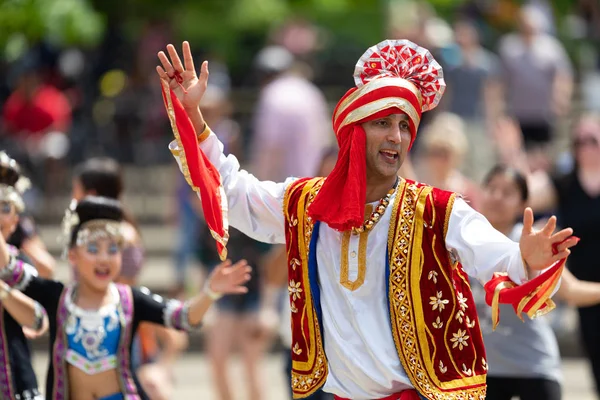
[{"x": 519, "y": 99}]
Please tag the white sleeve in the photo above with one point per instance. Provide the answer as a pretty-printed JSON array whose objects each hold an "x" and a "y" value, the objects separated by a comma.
[
  {"x": 481, "y": 249},
  {"x": 255, "y": 207}
]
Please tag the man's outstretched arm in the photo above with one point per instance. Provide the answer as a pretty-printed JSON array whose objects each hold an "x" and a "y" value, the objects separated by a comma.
[{"x": 254, "y": 207}]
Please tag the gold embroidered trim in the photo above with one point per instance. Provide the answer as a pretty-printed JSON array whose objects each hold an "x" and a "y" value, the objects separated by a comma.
[
  {"x": 179, "y": 151},
  {"x": 362, "y": 261},
  {"x": 313, "y": 372},
  {"x": 405, "y": 296},
  {"x": 362, "y": 258},
  {"x": 395, "y": 208}
]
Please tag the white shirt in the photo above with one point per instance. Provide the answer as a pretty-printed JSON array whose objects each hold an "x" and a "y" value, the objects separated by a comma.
[{"x": 362, "y": 357}]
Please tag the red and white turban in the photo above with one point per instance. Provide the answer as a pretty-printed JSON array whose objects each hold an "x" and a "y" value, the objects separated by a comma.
[{"x": 392, "y": 76}]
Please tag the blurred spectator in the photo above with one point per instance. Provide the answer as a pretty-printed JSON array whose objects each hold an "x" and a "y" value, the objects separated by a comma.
[
  {"x": 576, "y": 197},
  {"x": 236, "y": 324},
  {"x": 291, "y": 120},
  {"x": 36, "y": 120},
  {"x": 537, "y": 78},
  {"x": 473, "y": 92},
  {"x": 443, "y": 147}
]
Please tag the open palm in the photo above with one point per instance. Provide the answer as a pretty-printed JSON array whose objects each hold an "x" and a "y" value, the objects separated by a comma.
[
  {"x": 228, "y": 279},
  {"x": 187, "y": 86},
  {"x": 540, "y": 249}
]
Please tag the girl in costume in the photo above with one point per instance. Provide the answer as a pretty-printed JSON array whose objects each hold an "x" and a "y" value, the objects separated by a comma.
[
  {"x": 103, "y": 177},
  {"x": 17, "y": 377},
  {"x": 93, "y": 320},
  {"x": 523, "y": 357}
]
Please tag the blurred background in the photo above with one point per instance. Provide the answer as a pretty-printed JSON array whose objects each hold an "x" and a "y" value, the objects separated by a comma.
[{"x": 78, "y": 80}]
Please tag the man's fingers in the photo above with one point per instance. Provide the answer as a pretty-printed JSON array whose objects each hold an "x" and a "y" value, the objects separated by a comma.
[
  {"x": 528, "y": 220},
  {"x": 560, "y": 255},
  {"x": 550, "y": 226},
  {"x": 562, "y": 235},
  {"x": 175, "y": 60},
  {"x": 164, "y": 60},
  {"x": 161, "y": 72},
  {"x": 188, "y": 60},
  {"x": 204, "y": 73},
  {"x": 567, "y": 244}
]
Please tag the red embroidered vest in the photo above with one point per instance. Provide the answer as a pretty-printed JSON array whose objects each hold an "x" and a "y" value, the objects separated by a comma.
[{"x": 434, "y": 321}]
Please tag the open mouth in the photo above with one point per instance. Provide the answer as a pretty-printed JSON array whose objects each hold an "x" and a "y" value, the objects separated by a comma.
[
  {"x": 101, "y": 273},
  {"x": 390, "y": 156}
]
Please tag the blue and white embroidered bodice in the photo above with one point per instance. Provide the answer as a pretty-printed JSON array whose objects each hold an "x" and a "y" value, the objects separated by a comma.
[{"x": 93, "y": 336}]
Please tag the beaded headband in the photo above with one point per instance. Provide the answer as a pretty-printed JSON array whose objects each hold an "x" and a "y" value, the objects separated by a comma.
[{"x": 89, "y": 231}]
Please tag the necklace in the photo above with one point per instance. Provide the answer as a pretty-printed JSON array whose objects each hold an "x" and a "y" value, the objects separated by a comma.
[{"x": 377, "y": 213}]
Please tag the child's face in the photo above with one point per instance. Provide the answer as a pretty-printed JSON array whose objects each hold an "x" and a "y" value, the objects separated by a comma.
[
  {"x": 97, "y": 262},
  {"x": 9, "y": 218}
]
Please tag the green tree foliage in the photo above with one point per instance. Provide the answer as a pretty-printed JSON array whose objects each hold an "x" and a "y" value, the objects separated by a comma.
[{"x": 62, "y": 22}]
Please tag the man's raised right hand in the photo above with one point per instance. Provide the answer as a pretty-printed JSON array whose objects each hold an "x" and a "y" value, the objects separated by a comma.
[{"x": 191, "y": 88}]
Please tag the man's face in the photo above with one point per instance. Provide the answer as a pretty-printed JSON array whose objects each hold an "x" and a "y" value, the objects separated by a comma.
[{"x": 388, "y": 139}]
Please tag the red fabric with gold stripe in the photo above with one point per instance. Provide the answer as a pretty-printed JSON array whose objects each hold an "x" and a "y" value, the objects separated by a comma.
[
  {"x": 434, "y": 320},
  {"x": 203, "y": 175},
  {"x": 309, "y": 365}
]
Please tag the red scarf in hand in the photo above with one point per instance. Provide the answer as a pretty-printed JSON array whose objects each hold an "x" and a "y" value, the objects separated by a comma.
[
  {"x": 202, "y": 176},
  {"x": 531, "y": 298}
]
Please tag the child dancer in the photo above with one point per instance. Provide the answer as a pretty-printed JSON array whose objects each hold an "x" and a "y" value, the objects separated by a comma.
[
  {"x": 17, "y": 378},
  {"x": 92, "y": 321}
]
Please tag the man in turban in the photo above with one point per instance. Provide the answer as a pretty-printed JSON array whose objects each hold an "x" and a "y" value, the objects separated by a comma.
[{"x": 380, "y": 300}]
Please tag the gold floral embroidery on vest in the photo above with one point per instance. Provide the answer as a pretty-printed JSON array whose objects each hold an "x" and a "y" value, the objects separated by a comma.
[
  {"x": 462, "y": 302},
  {"x": 460, "y": 339},
  {"x": 307, "y": 376},
  {"x": 295, "y": 289},
  {"x": 443, "y": 369},
  {"x": 432, "y": 276},
  {"x": 484, "y": 364},
  {"x": 438, "y": 303},
  {"x": 294, "y": 263},
  {"x": 470, "y": 324},
  {"x": 404, "y": 243},
  {"x": 297, "y": 349},
  {"x": 467, "y": 371}
]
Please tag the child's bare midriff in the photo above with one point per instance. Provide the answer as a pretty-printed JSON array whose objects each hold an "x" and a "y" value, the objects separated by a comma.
[{"x": 92, "y": 387}]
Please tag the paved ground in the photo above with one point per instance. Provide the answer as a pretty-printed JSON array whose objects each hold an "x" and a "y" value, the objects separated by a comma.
[{"x": 194, "y": 378}]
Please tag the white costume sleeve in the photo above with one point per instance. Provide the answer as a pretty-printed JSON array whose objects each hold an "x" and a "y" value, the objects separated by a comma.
[
  {"x": 481, "y": 249},
  {"x": 255, "y": 207}
]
